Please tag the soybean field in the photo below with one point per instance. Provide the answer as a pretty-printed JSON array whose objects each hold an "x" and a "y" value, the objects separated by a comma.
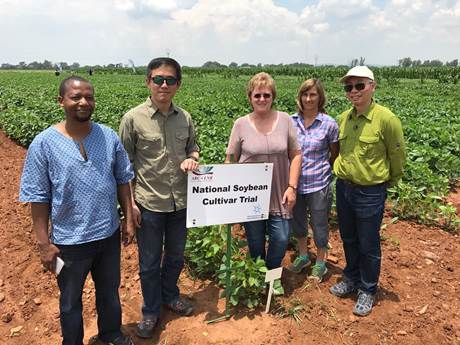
[{"x": 427, "y": 104}]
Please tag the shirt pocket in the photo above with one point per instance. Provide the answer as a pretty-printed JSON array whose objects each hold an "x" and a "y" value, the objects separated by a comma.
[
  {"x": 150, "y": 146},
  {"x": 368, "y": 146},
  {"x": 316, "y": 143},
  {"x": 181, "y": 141}
]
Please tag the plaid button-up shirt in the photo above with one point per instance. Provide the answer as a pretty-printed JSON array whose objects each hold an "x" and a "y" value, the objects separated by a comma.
[{"x": 316, "y": 171}]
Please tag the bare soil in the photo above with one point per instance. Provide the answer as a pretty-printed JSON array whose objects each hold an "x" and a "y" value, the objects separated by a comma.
[{"x": 417, "y": 302}]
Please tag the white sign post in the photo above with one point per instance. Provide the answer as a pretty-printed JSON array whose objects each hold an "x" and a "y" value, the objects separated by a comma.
[
  {"x": 228, "y": 193},
  {"x": 270, "y": 277}
]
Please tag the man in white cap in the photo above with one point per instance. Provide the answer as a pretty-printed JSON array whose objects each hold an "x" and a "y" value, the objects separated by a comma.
[{"x": 371, "y": 158}]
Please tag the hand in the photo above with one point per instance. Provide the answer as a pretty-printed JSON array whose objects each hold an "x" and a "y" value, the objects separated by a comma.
[
  {"x": 127, "y": 232},
  {"x": 48, "y": 254},
  {"x": 188, "y": 164},
  {"x": 289, "y": 197},
  {"x": 137, "y": 217}
]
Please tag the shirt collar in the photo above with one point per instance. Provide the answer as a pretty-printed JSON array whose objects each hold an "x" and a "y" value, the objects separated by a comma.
[
  {"x": 368, "y": 114},
  {"x": 172, "y": 109},
  {"x": 299, "y": 118}
]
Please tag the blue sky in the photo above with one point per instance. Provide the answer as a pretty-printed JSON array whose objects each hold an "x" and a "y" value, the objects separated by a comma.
[{"x": 252, "y": 31}]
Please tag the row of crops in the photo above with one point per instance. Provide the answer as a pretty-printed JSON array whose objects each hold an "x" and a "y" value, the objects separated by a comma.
[
  {"x": 428, "y": 108},
  {"x": 443, "y": 74}
]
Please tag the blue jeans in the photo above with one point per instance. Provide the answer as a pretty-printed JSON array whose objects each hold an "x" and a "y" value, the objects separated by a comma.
[
  {"x": 277, "y": 230},
  {"x": 360, "y": 212},
  {"x": 102, "y": 259},
  {"x": 159, "y": 272}
]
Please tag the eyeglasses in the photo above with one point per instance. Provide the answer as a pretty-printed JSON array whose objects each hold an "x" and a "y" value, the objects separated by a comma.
[
  {"x": 264, "y": 95},
  {"x": 159, "y": 80},
  {"x": 358, "y": 86}
]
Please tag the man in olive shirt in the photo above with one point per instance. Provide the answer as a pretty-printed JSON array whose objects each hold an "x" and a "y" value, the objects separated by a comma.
[
  {"x": 160, "y": 140},
  {"x": 371, "y": 158}
]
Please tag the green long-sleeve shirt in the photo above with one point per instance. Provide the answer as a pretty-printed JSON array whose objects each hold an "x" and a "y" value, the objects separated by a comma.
[{"x": 372, "y": 149}]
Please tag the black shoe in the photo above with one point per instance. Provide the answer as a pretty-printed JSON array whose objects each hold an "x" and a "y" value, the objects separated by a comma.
[
  {"x": 121, "y": 340},
  {"x": 146, "y": 327},
  {"x": 180, "y": 306}
]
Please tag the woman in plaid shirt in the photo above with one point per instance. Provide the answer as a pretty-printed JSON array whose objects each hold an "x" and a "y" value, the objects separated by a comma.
[{"x": 317, "y": 134}]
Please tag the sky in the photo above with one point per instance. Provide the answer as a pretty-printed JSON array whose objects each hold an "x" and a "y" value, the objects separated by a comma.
[{"x": 318, "y": 32}]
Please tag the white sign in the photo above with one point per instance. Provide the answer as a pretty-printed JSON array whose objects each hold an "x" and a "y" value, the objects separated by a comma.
[
  {"x": 228, "y": 193},
  {"x": 270, "y": 277}
]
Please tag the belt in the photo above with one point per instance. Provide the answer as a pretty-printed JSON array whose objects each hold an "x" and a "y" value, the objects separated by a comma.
[{"x": 355, "y": 185}]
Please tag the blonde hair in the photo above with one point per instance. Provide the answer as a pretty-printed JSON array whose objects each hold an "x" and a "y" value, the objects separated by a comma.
[
  {"x": 259, "y": 80},
  {"x": 306, "y": 86}
]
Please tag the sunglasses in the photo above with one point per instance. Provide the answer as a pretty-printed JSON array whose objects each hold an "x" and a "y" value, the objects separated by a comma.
[
  {"x": 358, "y": 86},
  {"x": 159, "y": 80},
  {"x": 264, "y": 95}
]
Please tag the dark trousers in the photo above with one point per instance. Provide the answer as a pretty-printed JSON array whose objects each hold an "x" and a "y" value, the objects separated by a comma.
[
  {"x": 102, "y": 259},
  {"x": 160, "y": 233},
  {"x": 360, "y": 212}
]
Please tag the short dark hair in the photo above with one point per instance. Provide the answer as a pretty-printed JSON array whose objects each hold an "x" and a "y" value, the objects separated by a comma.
[
  {"x": 164, "y": 61},
  {"x": 65, "y": 83}
]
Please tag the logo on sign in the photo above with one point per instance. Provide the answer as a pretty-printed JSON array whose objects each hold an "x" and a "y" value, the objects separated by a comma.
[{"x": 203, "y": 173}]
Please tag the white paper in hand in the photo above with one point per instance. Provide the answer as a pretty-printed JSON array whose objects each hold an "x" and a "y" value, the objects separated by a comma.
[{"x": 59, "y": 265}]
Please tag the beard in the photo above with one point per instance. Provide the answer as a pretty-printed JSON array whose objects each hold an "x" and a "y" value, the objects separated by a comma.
[{"x": 84, "y": 117}]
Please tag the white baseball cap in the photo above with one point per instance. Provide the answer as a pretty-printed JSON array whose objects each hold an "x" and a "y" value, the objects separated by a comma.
[{"x": 358, "y": 71}]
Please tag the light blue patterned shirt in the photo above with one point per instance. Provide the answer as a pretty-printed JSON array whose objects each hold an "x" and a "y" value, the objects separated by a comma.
[{"x": 82, "y": 194}]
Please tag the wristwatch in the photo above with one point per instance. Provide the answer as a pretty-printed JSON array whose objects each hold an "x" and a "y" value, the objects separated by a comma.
[{"x": 293, "y": 187}]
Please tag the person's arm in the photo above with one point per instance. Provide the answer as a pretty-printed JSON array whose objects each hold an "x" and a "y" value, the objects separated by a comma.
[
  {"x": 128, "y": 139},
  {"x": 333, "y": 152},
  {"x": 136, "y": 213},
  {"x": 334, "y": 145},
  {"x": 191, "y": 162},
  {"x": 40, "y": 218},
  {"x": 396, "y": 150},
  {"x": 290, "y": 193},
  {"x": 231, "y": 158},
  {"x": 192, "y": 149},
  {"x": 125, "y": 200},
  {"x": 233, "y": 151}
]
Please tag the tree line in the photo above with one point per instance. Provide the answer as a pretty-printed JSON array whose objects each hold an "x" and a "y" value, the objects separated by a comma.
[
  {"x": 49, "y": 65},
  {"x": 408, "y": 62}
]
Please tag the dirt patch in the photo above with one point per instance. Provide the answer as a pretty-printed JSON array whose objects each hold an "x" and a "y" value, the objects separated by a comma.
[{"x": 417, "y": 302}]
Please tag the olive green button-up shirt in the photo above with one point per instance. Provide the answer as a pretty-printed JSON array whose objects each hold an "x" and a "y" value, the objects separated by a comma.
[
  {"x": 156, "y": 145},
  {"x": 372, "y": 149}
]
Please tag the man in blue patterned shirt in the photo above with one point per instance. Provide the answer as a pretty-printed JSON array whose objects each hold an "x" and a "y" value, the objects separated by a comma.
[{"x": 73, "y": 175}]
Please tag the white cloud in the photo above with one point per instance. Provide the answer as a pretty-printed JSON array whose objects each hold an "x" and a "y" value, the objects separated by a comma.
[
  {"x": 195, "y": 31},
  {"x": 149, "y": 6},
  {"x": 240, "y": 19}
]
